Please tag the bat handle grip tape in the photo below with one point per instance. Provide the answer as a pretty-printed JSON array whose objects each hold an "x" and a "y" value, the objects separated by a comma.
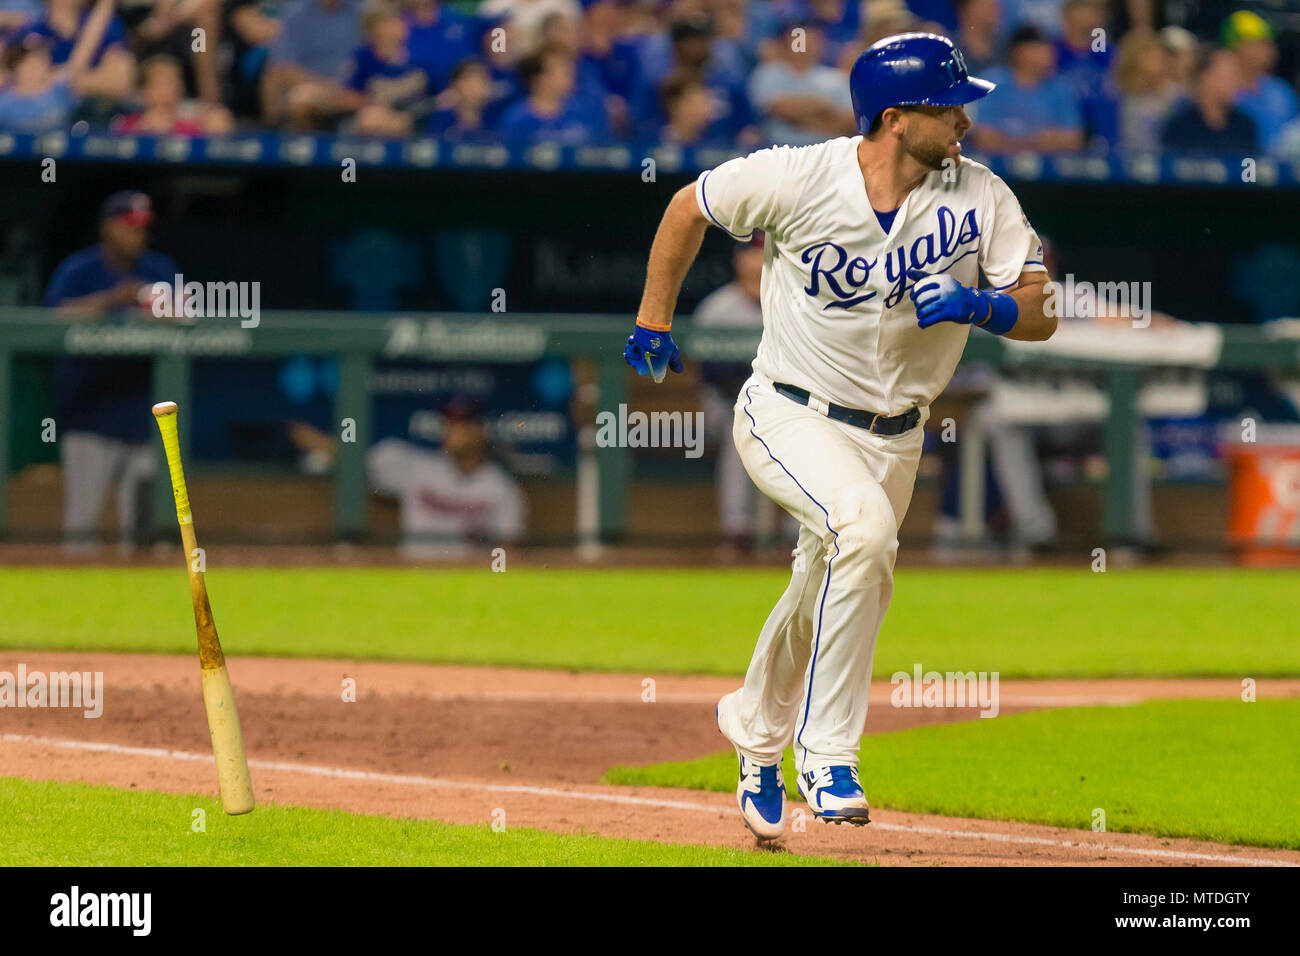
[{"x": 172, "y": 446}]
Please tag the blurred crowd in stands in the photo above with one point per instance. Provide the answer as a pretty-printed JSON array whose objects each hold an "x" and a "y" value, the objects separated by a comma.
[{"x": 1131, "y": 75}]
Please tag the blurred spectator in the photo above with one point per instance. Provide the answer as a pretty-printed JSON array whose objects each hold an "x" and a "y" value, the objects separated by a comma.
[
  {"x": 607, "y": 60},
  {"x": 1287, "y": 144},
  {"x": 977, "y": 33},
  {"x": 40, "y": 94},
  {"x": 460, "y": 114},
  {"x": 109, "y": 73},
  {"x": 439, "y": 38},
  {"x": 382, "y": 71},
  {"x": 691, "y": 41},
  {"x": 1032, "y": 109},
  {"x": 16, "y": 13},
  {"x": 839, "y": 22},
  {"x": 734, "y": 305},
  {"x": 162, "y": 92},
  {"x": 607, "y": 54},
  {"x": 943, "y": 13},
  {"x": 644, "y": 19},
  {"x": 507, "y": 85},
  {"x": 169, "y": 29},
  {"x": 1210, "y": 123},
  {"x": 802, "y": 101},
  {"x": 1267, "y": 99},
  {"x": 1043, "y": 14},
  {"x": 315, "y": 65},
  {"x": 308, "y": 60},
  {"x": 448, "y": 499},
  {"x": 1083, "y": 56},
  {"x": 552, "y": 112},
  {"x": 1140, "y": 15},
  {"x": 1183, "y": 49},
  {"x": 564, "y": 32},
  {"x": 882, "y": 18},
  {"x": 524, "y": 19},
  {"x": 742, "y": 25},
  {"x": 688, "y": 104},
  {"x": 561, "y": 29},
  {"x": 247, "y": 33},
  {"x": 1083, "y": 48},
  {"x": 103, "y": 429},
  {"x": 694, "y": 48},
  {"x": 1147, "y": 92}
]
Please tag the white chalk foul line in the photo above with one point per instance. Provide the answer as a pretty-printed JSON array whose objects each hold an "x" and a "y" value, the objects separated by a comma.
[
  {"x": 1080, "y": 845},
  {"x": 341, "y": 773}
]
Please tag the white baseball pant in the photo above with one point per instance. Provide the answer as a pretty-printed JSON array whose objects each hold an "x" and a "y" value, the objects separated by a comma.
[
  {"x": 810, "y": 675},
  {"x": 92, "y": 465},
  {"x": 736, "y": 495}
]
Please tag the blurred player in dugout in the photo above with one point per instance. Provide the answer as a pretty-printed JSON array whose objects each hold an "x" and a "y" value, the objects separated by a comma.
[
  {"x": 449, "y": 500},
  {"x": 101, "y": 418},
  {"x": 735, "y": 305}
]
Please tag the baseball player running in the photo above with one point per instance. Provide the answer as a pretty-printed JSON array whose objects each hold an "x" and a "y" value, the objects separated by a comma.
[{"x": 869, "y": 289}]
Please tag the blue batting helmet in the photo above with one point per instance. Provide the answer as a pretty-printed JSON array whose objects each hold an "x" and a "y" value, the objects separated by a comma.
[{"x": 911, "y": 69}]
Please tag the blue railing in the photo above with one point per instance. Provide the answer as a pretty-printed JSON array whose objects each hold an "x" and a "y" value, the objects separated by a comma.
[{"x": 424, "y": 152}]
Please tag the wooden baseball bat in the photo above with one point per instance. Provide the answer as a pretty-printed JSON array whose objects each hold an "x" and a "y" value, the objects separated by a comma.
[{"x": 218, "y": 696}]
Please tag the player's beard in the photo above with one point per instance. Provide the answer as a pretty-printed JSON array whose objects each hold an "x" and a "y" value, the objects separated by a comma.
[{"x": 928, "y": 153}]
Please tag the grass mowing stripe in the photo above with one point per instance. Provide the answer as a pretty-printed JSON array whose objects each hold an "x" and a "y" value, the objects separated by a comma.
[
  {"x": 71, "y": 824},
  {"x": 1022, "y": 623},
  {"x": 1211, "y": 770}
]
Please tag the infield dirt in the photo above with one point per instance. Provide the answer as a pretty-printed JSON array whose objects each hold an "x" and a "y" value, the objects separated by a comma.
[{"x": 463, "y": 744}]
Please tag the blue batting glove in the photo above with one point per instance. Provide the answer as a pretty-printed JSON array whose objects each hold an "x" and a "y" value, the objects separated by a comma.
[
  {"x": 652, "y": 352},
  {"x": 942, "y": 298}
]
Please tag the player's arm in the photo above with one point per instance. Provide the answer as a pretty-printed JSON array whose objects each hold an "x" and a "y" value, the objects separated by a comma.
[
  {"x": 813, "y": 113},
  {"x": 676, "y": 244},
  {"x": 1033, "y": 324},
  {"x": 95, "y": 304},
  {"x": 66, "y": 294},
  {"x": 93, "y": 34},
  {"x": 650, "y": 349},
  {"x": 1017, "y": 313},
  {"x": 113, "y": 77}
]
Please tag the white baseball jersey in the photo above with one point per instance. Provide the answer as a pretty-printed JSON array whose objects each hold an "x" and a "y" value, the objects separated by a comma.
[
  {"x": 837, "y": 318},
  {"x": 442, "y": 508}
]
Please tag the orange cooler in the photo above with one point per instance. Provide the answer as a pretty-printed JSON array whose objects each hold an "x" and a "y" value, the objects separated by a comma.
[{"x": 1264, "y": 496}]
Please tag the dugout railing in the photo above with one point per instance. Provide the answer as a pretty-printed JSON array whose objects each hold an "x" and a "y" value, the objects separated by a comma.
[{"x": 1121, "y": 360}]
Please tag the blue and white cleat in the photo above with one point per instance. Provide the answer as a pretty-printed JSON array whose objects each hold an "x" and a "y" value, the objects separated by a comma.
[
  {"x": 761, "y": 795},
  {"x": 835, "y": 794}
]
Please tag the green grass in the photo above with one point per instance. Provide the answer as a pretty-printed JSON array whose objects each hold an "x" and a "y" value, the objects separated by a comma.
[
  {"x": 71, "y": 824},
  {"x": 1213, "y": 770},
  {"x": 1021, "y": 623}
]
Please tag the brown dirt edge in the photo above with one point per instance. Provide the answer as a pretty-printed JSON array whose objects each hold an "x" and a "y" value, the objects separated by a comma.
[
  {"x": 912, "y": 554},
  {"x": 462, "y": 743}
]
